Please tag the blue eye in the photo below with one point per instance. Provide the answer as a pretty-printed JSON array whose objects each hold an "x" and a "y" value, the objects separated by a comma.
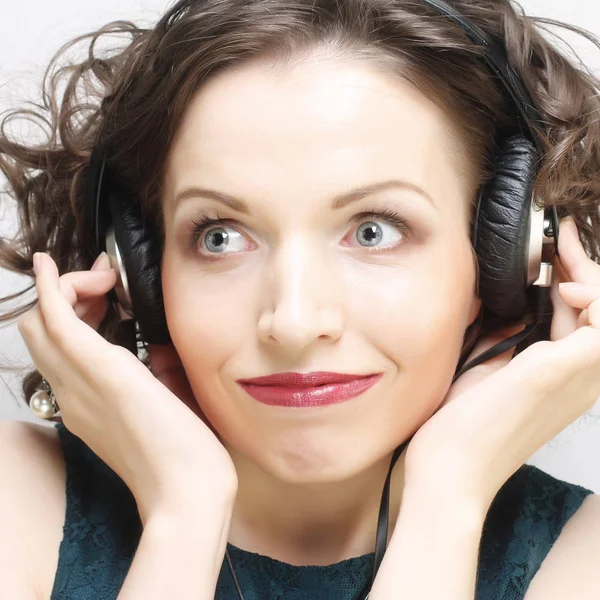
[
  {"x": 372, "y": 230},
  {"x": 218, "y": 239}
]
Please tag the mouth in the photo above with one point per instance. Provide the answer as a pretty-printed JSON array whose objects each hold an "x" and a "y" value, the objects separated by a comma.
[{"x": 304, "y": 390}]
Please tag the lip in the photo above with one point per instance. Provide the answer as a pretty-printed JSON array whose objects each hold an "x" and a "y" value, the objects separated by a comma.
[
  {"x": 302, "y": 390},
  {"x": 300, "y": 380}
]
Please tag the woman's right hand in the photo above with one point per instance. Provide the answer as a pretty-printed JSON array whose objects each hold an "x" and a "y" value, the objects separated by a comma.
[{"x": 153, "y": 437}]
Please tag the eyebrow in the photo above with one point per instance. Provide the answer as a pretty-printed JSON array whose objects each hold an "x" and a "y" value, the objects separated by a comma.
[{"x": 337, "y": 202}]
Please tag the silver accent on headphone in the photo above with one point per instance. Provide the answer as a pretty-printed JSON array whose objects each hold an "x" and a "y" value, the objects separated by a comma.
[
  {"x": 536, "y": 222},
  {"x": 540, "y": 233},
  {"x": 124, "y": 306},
  {"x": 545, "y": 278}
]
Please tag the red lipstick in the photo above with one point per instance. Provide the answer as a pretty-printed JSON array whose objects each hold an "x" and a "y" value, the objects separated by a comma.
[{"x": 299, "y": 390}]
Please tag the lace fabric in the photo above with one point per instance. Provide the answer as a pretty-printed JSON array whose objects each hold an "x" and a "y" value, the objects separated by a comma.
[
  {"x": 102, "y": 527},
  {"x": 102, "y": 530},
  {"x": 524, "y": 521}
]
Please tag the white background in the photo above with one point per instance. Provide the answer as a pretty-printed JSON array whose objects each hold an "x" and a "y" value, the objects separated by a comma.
[{"x": 31, "y": 32}]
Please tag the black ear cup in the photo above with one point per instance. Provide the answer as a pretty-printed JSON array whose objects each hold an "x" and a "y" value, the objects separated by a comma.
[
  {"x": 502, "y": 231},
  {"x": 141, "y": 255}
]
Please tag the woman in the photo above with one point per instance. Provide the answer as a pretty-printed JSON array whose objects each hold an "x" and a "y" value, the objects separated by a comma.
[{"x": 310, "y": 172}]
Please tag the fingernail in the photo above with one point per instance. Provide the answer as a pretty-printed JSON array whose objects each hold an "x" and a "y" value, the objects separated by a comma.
[
  {"x": 571, "y": 222},
  {"x": 564, "y": 222},
  {"x": 102, "y": 263},
  {"x": 36, "y": 262}
]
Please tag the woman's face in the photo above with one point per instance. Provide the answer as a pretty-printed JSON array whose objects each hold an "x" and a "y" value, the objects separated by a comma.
[{"x": 297, "y": 281}]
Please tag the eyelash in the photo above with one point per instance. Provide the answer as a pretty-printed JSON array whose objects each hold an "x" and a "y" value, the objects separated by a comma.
[{"x": 198, "y": 226}]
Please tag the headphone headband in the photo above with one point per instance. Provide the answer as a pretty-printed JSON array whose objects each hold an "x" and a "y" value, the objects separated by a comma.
[
  {"x": 95, "y": 183},
  {"x": 496, "y": 59}
]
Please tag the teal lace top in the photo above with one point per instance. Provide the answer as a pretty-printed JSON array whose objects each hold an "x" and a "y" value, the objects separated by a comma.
[{"x": 102, "y": 529}]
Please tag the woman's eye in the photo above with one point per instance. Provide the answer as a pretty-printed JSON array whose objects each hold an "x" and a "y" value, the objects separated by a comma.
[
  {"x": 222, "y": 239},
  {"x": 212, "y": 237},
  {"x": 377, "y": 229},
  {"x": 219, "y": 240},
  {"x": 371, "y": 233}
]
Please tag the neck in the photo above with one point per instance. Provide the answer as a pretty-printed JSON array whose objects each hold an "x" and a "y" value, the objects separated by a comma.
[{"x": 311, "y": 524}]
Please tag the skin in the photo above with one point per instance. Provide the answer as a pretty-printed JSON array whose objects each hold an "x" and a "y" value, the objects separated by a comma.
[{"x": 299, "y": 289}]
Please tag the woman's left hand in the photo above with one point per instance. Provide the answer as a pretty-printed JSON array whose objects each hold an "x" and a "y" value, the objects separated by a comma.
[{"x": 496, "y": 415}]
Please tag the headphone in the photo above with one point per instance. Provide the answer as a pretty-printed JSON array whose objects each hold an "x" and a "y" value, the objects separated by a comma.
[{"x": 508, "y": 233}]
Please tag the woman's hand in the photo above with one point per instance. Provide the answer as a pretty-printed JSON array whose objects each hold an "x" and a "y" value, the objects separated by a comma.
[
  {"x": 498, "y": 414},
  {"x": 148, "y": 429}
]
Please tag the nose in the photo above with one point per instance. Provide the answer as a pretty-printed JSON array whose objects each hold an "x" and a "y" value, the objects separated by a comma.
[{"x": 303, "y": 298}]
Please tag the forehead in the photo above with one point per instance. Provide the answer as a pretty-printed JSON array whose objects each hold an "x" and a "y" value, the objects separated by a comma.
[{"x": 312, "y": 131}]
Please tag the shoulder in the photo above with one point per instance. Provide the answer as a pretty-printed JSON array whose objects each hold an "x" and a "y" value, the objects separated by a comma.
[
  {"x": 526, "y": 523},
  {"x": 32, "y": 506},
  {"x": 557, "y": 537},
  {"x": 570, "y": 570}
]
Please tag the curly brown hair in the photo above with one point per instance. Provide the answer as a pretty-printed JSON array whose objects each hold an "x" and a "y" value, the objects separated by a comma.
[{"x": 132, "y": 99}]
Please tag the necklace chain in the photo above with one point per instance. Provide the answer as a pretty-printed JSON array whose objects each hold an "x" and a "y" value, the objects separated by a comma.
[{"x": 237, "y": 583}]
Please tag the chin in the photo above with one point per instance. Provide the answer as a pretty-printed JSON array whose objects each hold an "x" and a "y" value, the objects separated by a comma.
[
  {"x": 305, "y": 456},
  {"x": 316, "y": 468}
]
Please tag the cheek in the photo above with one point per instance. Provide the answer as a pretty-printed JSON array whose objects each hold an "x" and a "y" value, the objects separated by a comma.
[
  {"x": 207, "y": 328},
  {"x": 204, "y": 319},
  {"x": 207, "y": 334},
  {"x": 415, "y": 313}
]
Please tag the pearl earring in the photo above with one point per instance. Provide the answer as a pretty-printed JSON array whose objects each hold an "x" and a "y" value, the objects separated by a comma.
[{"x": 43, "y": 402}]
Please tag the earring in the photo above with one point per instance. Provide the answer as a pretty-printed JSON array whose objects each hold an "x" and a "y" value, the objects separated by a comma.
[{"x": 43, "y": 402}]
